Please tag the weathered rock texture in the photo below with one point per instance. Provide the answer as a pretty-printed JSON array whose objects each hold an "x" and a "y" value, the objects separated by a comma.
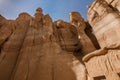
[
  {"x": 36, "y": 48},
  {"x": 79, "y": 23},
  {"x": 104, "y": 64},
  {"x": 105, "y": 22},
  {"x": 115, "y": 4},
  {"x": 104, "y": 17}
]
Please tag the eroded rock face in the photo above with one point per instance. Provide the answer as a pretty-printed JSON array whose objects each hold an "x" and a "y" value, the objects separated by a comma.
[
  {"x": 68, "y": 36},
  {"x": 104, "y": 64},
  {"x": 90, "y": 33},
  {"x": 79, "y": 23},
  {"x": 2, "y": 19},
  {"x": 12, "y": 37},
  {"x": 105, "y": 22},
  {"x": 115, "y": 4},
  {"x": 36, "y": 48}
]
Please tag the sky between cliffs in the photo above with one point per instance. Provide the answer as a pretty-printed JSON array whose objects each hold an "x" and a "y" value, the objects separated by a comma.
[{"x": 57, "y": 9}]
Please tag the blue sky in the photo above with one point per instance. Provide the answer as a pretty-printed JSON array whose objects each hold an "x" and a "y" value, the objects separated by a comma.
[{"x": 57, "y": 9}]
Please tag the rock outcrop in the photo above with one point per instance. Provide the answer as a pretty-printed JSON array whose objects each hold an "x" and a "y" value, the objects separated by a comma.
[
  {"x": 105, "y": 22},
  {"x": 12, "y": 37},
  {"x": 104, "y": 17},
  {"x": 67, "y": 36},
  {"x": 79, "y": 23},
  {"x": 36, "y": 48},
  {"x": 114, "y": 4}
]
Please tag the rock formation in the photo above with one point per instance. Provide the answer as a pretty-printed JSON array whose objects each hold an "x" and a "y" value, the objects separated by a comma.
[
  {"x": 115, "y": 4},
  {"x": 104, "y": 17},
  {"x": 79, "y": 23},
  {"x": 36, "y": 48}
]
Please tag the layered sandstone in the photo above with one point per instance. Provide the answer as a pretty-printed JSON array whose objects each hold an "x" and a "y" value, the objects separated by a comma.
[
  {"x": 79, "y": 23},
  {"x": 105, "y": 22},
  {"x": 35, "y": 47},
  {"x": 115, "y": 4},
  {"x": 104, "y": 64}
]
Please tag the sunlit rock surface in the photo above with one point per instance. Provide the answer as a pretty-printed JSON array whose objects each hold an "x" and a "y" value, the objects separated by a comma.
[
  {"x": 36, "y": 48},
  {"x": 104, "y": 17}
]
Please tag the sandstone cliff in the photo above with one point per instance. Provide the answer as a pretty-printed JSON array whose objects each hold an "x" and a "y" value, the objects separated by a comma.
[
  {"x": 35, "y": 47},
  {"x": 104, "y": 18}
]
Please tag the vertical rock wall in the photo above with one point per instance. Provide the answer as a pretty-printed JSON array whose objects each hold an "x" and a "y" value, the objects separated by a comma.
[
  {"x": 79, "y": 23},
  {"x": 104, "y": 64},
  {"x": 34, "y": 48},
  {"x": 115, "y": 4},
  {"x": 105, "y": 22}
]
